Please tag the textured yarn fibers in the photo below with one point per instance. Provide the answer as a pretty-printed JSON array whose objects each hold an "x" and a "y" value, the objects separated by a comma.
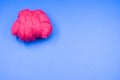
[{"x": 31, "y": 25}]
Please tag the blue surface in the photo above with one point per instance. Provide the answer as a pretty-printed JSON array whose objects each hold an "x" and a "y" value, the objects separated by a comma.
[{"x": 84, "y": 45}]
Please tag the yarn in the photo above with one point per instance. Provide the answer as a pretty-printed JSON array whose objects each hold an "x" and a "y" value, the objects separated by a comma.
[{"x": 31, "y": 25}]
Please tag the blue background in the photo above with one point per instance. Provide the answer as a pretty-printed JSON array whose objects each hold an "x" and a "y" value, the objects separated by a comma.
[{"x": 84, "y": 45}]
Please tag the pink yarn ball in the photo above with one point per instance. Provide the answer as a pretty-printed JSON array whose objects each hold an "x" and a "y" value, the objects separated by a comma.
[{"x": 32, "y": 25}]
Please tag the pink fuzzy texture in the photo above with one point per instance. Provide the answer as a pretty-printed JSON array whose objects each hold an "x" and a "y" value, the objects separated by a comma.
[{"x": 32, "y": 25}]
